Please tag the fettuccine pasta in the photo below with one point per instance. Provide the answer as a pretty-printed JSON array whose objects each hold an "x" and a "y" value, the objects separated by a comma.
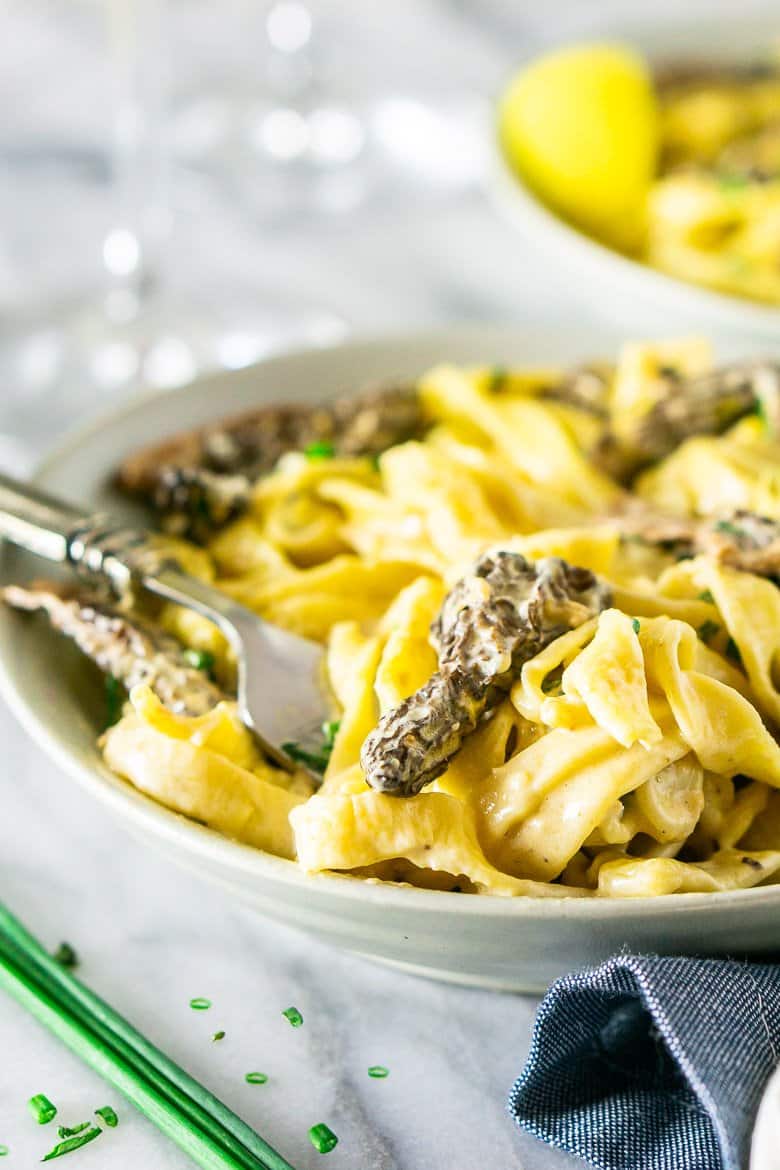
[{"x": 631, "y": 750}]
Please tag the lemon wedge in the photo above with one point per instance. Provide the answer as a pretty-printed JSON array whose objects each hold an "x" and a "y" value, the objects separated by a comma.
[{"x": 581, "y": 126}]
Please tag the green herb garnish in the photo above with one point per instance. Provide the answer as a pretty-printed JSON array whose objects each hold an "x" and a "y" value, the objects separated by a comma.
[
  {"x": 294, "y": 1016},
  {"x": 109, "y": 1116},
  {"x": 497, "y": 380},
  {"x": 378, "y": 1072},
  {"x": 705, "y": 595},
  {"x": 73, "y": 1143},
  {"x": 732, "y": 182},
  {"x": 200, "y": 1004},
  {"x": 66, "y": 956},
  {"x": 729, "y": 527},
  {"x": 218, "y": 1036},
  {"x": 551, "y": 683},
  {"x": 329, "y": 732},
  {"x": 320, "y": 449},
  {"x": 41, "y": 1108},
  {"x": 65, "y": 1131},
  {"x": 317, "y": 761},
  {"x": 256, "y": 1078},
  {"x": 4, "y": 1150},
  {"x": 732, "y": 652},
  {"x": 201, "y": 660},
  {"x": 323, "y": 1138},
  {"x": 636, "y": 627},
  {"x": 708, "y": 630},
  {"x": 115, "y": 700}
]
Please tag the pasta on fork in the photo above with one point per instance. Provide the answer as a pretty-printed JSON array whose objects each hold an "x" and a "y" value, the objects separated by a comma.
[{"x": 551, "y": 605}]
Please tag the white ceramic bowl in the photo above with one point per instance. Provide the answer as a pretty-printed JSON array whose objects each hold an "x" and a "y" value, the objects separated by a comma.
[
  {"x": 516, "y": 944},
  {"x": 626, "y": 289}
]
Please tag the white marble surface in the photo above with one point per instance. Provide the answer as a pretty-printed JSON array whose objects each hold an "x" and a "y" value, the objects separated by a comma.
[{"x": 151, "y": 937}]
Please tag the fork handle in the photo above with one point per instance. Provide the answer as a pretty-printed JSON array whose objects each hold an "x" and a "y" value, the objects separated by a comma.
[
  {"x": 96, "y": 546},
  {"x": 38, "y": 522}
]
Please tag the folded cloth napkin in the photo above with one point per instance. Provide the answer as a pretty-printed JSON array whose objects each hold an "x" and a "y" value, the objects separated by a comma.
[{"x": 649, "y": 1063}]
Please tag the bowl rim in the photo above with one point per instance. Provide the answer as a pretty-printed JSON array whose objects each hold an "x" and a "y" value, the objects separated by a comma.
[
  {"x": 519, "y": 204},
  {"x": 200, "y": 841}
]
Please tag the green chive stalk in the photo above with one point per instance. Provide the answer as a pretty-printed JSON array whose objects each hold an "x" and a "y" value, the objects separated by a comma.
[{"x": 201, "y": 1124}]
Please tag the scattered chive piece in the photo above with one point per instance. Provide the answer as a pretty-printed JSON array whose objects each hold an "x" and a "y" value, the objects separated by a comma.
[
  {"x": 378, "y": 1072},
  {"x": 109, "y": 1116},
  {"x": 732, "y": 652},
  {"x": 317, "y": 761},
  {"x": 497, "y": 380},
  {"x": 294, "y": 1016},
  {"x": 705, "y": 595},
  {"x": 635, "y": 625},
  {"x": 708, "y": 630},
  {"x": 551, "y": 683},
  {"x": 73, "y": 1143},
  {"x": 320, "y": 449},
  {"x": 727, "y": 526},
  {"x": 218, "y": 1036},
  {"x": 296, "y": 752},
  {"x": 41, "y": 1108},
  {"x": 201, "y": 660},
  {"x": 114, "y": 699},
  {"x": 200, "y": 1004},
  {"x": 256, "y": 1078},
  {"x": 323, "y": 1138},
  {"x": 65, "y": 1131},
  {"x": 374, "y": 461},
  {"x": 330, "y": 730},
  {"x": 732, "y": 182},
  {"x": 3, "y": 1151},
  {"x": 66, "y": 956}
]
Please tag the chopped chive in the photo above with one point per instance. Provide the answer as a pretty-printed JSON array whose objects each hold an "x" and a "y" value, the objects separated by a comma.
[
  {"x": 114, "y": 700},
  {"x": 497, "y": 380},
  {"x": 4, "y": 1150},
  {"x": 201, "y": 659},
  {"x": 374, "y": 461},
  {"x": 65, "y": 1131},
  {"x": 323, "y": 1138},
  {"x": 73, "y": 1143},
  {"x": 66, "y": 956},
  {"x": 41, "y": 1108},
  {"x": 109, "y": 1116},
  {"x": 256, "y": 1078},
  {"x": 635, "y": 625},
  {"x": 729, "y": 527},
  {"x": 330, "y": 730},
  {"x": 378, "y": 1072},
  {"x": 708, "y": 630},
  {"x": 732, "y": 182},
  {"x": 200, "y": 1004},
  {"x": 551, "y": 683},
  {"x": 705, "y": 595},
  {"x": 294, "y": 1016},
  {"x": 732, "y": 652},
  {"x": 317, "y": 763},
  {"x": 218, "y": 1036},
  {"x": 320, "y": 449}
]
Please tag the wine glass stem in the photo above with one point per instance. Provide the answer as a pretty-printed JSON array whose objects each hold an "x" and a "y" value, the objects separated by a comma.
[{"x": 141, "y": 207}]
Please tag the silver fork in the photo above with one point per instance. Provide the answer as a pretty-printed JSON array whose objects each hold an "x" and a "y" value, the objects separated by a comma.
[{"x": 282, "y": 695}]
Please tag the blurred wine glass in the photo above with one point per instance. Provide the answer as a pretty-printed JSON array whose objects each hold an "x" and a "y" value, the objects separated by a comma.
[{"x": 113, "y": 307}]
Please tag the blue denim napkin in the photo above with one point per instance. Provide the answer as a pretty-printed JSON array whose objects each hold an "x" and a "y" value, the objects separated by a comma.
[{"x": 648, "y": 1063}]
